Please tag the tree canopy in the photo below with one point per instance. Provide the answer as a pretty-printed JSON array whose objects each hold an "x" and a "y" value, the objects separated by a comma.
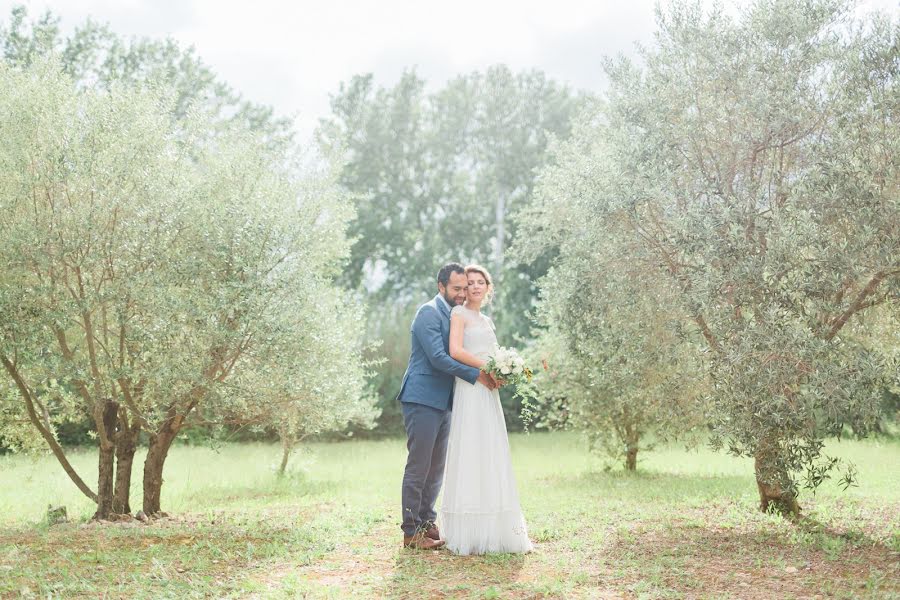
[{"x": 750, "y": 165}]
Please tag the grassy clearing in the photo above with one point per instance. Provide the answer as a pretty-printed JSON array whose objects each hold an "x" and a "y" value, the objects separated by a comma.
[{"x": 685, "y": 526}]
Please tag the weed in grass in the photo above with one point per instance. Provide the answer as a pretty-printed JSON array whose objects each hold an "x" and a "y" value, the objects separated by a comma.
[
  {"x": 490, "y": 593},
  {"x": 546, "y": 534},
  {"x": 832, "y": 546}
]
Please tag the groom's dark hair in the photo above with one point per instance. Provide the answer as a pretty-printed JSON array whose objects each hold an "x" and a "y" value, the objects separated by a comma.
[{"x": 446, "y": 270}]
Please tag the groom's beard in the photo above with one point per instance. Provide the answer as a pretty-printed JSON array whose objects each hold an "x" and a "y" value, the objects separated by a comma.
[{"x": 453, "y": 302}]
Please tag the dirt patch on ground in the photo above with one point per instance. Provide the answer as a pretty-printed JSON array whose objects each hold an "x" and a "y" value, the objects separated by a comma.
[
  {"x": 754, "y": 564},
  {"x": 684, "y": 557},
  {"x": 120, "y": 559}
]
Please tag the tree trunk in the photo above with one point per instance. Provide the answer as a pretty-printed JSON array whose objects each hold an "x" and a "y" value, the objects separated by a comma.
[
  {"x": 770, "y": 481},
  {"x": 287, "y": 445},
  {"x": 126, "y": 446},
  {"x": 631, "y": 458},
  {"x": 107, "y": 461},
  {"x": 105, "y": 481},
  {"x": 632, "y": 438},
  {"x": 153, "y": 467},
  {"x": 161, "y": 441}
]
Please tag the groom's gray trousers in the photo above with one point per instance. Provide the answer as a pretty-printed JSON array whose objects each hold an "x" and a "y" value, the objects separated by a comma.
[{"x": 427, "y": 432}]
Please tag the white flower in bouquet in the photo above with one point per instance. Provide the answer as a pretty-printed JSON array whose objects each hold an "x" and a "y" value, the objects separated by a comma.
[
  {"x": 506, "y": 362},
  {"x": 507, "y": 366}
]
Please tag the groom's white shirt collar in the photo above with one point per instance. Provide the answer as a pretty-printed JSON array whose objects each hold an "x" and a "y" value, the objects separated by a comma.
[{"x": 441, "y": 298}]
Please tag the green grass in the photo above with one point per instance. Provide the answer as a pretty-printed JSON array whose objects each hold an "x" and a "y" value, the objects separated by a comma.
[{"x": 684, "y": 526}]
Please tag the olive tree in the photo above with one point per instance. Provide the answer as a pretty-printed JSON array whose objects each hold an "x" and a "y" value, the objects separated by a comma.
[
  {"x": 144, "y": 261},
  {"x": 621, "y": 367},
  {"x": 260, "y": 231},
  {"x": 228, "y": 192},
  {"x": 312, "y": 377},
  {"x": 752, "y": 164},
  {"x": 90, "y": 204}
]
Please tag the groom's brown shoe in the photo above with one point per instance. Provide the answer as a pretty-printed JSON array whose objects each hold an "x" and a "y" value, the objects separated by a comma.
[
  {"x": 433, "y": 533},
  {"x": 420, "y": 542}
]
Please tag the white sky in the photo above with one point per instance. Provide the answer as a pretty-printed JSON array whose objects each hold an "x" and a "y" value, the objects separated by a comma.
[{"x": 292, "y": 55}]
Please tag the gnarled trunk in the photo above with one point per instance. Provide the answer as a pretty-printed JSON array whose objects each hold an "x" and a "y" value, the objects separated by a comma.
[
  {"x": 161, "y": 441},
  {"x": 154, "y": 463},
  {"x": 126, "y": 446},
  {"x": 287, "y": 445},
  {"x": 771, "y": 481},
  {"x": 105, "y": 481},
  {"x": 632, "y": 439},
  {"x": 631, "y": 458},
  {"x": 106, "y": 461}
]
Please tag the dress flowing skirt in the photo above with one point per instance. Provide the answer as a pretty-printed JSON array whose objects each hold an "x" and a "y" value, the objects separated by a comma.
[{"x": 480, "y": 511}]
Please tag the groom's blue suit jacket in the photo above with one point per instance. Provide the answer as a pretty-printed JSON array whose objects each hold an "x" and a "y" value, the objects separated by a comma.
[{"x": 431, "y": 372}]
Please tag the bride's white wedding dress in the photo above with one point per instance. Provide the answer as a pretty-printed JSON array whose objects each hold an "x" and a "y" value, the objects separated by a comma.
[{"x": 480, "y": 510}]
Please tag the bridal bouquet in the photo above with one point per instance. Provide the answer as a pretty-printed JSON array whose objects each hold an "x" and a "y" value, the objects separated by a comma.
[{"x": 505, "y": 365}]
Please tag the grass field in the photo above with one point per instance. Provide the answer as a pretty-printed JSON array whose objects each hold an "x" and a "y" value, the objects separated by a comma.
[{"x": 685, "y": 526}]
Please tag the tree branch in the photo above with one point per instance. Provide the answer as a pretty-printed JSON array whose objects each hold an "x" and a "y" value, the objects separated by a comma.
[
  {"x": 859, "y": 303},
  {"x": 685, "y": 284},
  {"x": 57, "y": 450}
]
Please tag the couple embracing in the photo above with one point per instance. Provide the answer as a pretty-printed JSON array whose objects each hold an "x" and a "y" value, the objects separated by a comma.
[{"x": 451, "y": 341}]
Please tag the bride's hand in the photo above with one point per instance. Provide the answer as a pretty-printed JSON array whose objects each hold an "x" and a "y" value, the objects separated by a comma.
[{"x": 487, "y": 381}]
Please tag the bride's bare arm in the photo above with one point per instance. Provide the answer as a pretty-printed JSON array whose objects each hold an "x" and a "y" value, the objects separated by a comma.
[{"x": 457, "y": 352}]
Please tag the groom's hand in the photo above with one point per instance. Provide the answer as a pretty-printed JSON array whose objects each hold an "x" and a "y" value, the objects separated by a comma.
[{"x": 487, "y": 381}]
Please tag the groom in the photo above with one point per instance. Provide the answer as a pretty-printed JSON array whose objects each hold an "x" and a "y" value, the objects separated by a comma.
[{"x": 426, "y": 396}]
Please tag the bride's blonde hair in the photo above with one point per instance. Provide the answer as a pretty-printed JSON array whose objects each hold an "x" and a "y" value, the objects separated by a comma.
[{"x": 489, "y": 296}]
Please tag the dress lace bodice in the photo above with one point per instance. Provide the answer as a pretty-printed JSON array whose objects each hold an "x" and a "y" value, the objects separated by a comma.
[{"x": 478, "y": 337}]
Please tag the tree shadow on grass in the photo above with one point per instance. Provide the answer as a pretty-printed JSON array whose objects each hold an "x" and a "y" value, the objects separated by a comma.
[{"x": 419, "y": 574}]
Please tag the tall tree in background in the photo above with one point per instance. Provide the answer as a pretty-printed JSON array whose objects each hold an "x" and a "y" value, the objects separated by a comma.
[
  {"x": 96, "y": 57},
  {"x": 752, "y": 164},
  {"x": 438, "y": 176}
]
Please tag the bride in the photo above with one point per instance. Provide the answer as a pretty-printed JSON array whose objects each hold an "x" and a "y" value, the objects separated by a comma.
[{"x": 480, "y": 511}]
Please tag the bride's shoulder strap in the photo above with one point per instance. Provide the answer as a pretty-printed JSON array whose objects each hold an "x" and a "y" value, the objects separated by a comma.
[{"x": 459, "y": 309}]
